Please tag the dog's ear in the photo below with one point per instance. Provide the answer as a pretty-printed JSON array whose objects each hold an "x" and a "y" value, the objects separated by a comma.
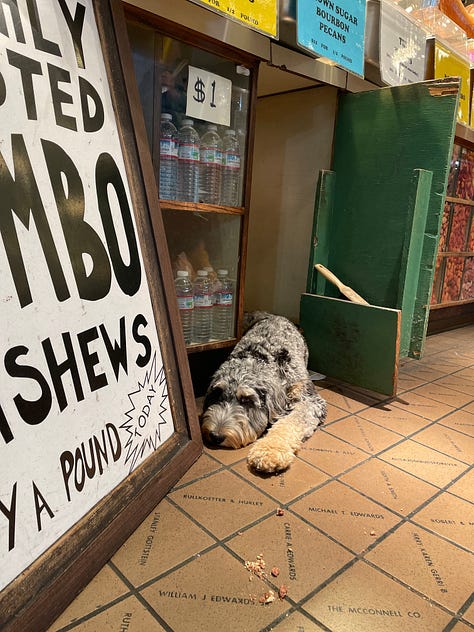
[
  {"x": 214, "y": 394},
  {"x": 247, "y": 396}
]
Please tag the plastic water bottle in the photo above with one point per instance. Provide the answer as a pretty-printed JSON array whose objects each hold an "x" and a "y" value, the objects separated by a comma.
[
  {"x": 203, "y": 307},
  {"x": 222, "y": 318},
  {"x": 168, "y": 158},
  {"x": 211, "y": 166},
  {"x": 230, "y": 169},
  {"x": 188, "y": 162},
  {"x": 185, "y": 296}
]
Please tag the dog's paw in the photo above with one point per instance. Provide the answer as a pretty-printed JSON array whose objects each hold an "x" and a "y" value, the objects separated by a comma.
[{"x": 267, "y": 458}]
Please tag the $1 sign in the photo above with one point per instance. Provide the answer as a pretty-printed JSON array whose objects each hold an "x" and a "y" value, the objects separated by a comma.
[
  {"x": 208, "y": 96},
  {"x": 200, "y": 92}
]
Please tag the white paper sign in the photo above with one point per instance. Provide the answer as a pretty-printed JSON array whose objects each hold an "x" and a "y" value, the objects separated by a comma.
[
  {"x": 402, "y": 47},
  {"x": 83, "y": 393},
  {"x": 208, "y": 96}
]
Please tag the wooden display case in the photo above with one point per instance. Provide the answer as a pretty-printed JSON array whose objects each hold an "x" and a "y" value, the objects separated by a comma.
[{"x": 166, "y": 59}]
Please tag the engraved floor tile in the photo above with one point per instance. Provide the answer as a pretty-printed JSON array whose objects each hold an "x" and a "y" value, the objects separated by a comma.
[
  {"x": 469, "y": 408},
  {"x": 408, "y": 381},
  {"x": 226, "y": 456},
  {"x": 346, "y": 515},
  {"x": 143, "y": 556},
  {"x": 461, "y": 420},
  {"x": 204, "y": 465},
  {"x": 432, "y": 566},
  {"x": 444, "y": 394},
  {"x": 425, "y": 463},
  {"x": 287, "y": 485},
  {"x": 346, "y": 399},
  {"x": 103, "y": 589},
  {"x": 448, "y": 441},
  {"x": 365, "y": 600},
  {"x": 330, "y": 454},
  {"x": 303, "y": 556},
  {"x": 223, "y": 503},
  {"x": 464, "y": 487},
  {"x": 210, "y": 593},
  {"x": 458, "y": 383},
  {"x": 468, "y": 615},
  {"x": 389, "y": 485},
  {"x": 450, "y": 517},
  {"x": 423, "y": 371},
  {"x": 296, "y": 622},
  {"x": 394, "y": 418},
  {"x": 423, "y": 406},
  {"x": 363, "y": 434},
  {"x": 467, "y": 373},
  {"x": 128, "y": 614}
]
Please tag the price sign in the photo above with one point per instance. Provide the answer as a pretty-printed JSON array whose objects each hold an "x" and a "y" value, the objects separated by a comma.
[
  {"x": 402, "y": 47},
  {"x": 208, "y": 96},
  {"x": 448, "y": 64},
  {"x": 259, "y": 15},
  {"x": 334, "y": 29}
]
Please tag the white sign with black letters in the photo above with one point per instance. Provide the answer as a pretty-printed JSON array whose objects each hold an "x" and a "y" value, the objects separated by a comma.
[
  {"x": 208, "y": 96},
  {"x": 83, "y": 393}
]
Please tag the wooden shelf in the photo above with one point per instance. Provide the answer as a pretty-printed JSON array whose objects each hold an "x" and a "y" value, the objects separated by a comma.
[
  {"x": 211, "y": 345},
  {"x": 196, "y": 207}
]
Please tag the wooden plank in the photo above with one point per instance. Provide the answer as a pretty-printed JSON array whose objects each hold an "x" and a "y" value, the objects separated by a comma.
[
  {"x": 381, "y": 137},
  {"x": 320, "y": 234},
  {"x": 411, "y": 258},
  {"x": 355, "y": 343}
]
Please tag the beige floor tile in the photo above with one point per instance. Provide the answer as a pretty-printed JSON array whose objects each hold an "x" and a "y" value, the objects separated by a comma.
[
  {"x": 128, "y": 614},
  {"x": 423, "y": 406},
  {"x": 103, "y": 589},
  {"x": 363, "y": 434},
  {"x": 288, "y": 485},
  {"x": 346, "y": 399},
  {"x": 394, "y": 418},
  {"x": 346, "y": 515},
  {"x": 330, "y": 454},
  {"x": 143, "y": 556},
  {"x": 434, "y": 567},
  {"x": 408, "y": 381},
  {"x": 458, "y": 383},
  {"x": 389, "y": 486},
  {"x": 461, "y": 420},
  {"x": 444, "y": 394},
  {"x": 297, "y": 622},
  {"x": 450, "y": 517},
  {"x": 448, "y": 441},
  {"x": 423, "y": 462},
  {"x": 204, "y": 465},
  {"x": 365, "y": 600},
  {"x": 227, "y": 456},
  {"x": 334, "y": 413},
  {"x": 304, "y": 557},
  {"x": 223, "y": 503},
  {"x": 423, "y": 371},
  {"x": 464, "y": 487},
  {"x": 210, "y": 593},
  {"x": 469, "y": 408},
  {"x": 467, "y": 373},
  {"x": 469, "y": 614},
  {"x": 461, "y": 627}
]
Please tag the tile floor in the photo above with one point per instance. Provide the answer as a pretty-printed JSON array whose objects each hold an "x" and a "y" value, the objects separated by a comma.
[{"x": 376, "y": 531}]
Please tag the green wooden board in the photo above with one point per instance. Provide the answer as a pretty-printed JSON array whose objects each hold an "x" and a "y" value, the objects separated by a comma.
[
  {"x": 381, "y": 137},
  {"x": 355, "y": 343}
]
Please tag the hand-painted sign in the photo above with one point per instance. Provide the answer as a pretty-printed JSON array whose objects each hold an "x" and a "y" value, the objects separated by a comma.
[
  {"x": 208, "y": 96},
  {"x": 334, "y": 29},
  {"x": 259, "y": 15},
  {"x": 83, "y": 392}
]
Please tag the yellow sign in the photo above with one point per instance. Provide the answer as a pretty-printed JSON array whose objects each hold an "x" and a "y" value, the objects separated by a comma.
[
  {"x": 260, "y": 15},
  {"x": 448, "y": 64}
]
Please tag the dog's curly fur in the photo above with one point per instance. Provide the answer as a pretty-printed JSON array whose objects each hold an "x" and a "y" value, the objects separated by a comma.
[{"x": 264, "y": 384}]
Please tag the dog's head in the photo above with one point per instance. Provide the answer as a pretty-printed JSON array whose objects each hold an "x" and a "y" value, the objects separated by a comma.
[{"x": 234, "y": 415}]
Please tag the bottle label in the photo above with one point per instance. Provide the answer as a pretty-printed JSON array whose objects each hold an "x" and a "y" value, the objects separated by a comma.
[
  {"x": 188, "y": 151},
  {"x": 203, "y": 300},
  {"x": 231, "y": 160},
  {"x": 224, "y": 298},
  {"x": 167, "y": 147},
  {"x": 185, "y": 302},
  {"x": 211, "y": 156}
]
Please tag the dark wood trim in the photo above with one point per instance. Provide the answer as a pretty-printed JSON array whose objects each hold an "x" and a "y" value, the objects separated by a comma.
[
  {"x": 450, "y": 317},
  {"x": 195, "y": 207}
]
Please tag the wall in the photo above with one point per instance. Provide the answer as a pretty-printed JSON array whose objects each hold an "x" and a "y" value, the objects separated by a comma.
[{"x": 294, "y": 135}]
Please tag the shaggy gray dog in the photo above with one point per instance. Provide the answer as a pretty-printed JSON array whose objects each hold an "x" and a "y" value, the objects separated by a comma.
[{"x": 264, "y": 384}]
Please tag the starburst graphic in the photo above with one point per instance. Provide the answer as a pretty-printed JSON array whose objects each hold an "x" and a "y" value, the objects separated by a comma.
[{"x": 149, "y": 412}]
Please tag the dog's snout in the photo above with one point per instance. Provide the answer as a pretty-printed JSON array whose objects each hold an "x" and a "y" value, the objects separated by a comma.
[{"x": 215, "y": 438}]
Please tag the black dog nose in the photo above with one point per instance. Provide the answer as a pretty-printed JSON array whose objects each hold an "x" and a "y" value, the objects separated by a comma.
[{"x": 216, "y": 438}]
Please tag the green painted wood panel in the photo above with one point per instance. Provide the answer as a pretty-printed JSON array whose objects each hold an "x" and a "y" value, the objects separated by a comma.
[
  {"x": 358, "y": 344},
  {"x": 381, "y": 137}
]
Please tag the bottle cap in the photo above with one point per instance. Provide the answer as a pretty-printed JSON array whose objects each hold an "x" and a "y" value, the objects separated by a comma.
[
  {"x": 166, "y": 116},
  {"x": 212, "y": 127},
  {"x": 202, "y": 273},
  {"x": 223, "y": 272},
  {"x": 229, "y": 131},
  {"x": 182, "y": 273},
  {"x": 188, "y": 122}
]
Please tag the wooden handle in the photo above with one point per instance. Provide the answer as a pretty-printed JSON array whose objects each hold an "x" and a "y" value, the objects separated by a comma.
[
  {"x": 329, "y": 275},
  {"x": 344, "y": 289}
]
